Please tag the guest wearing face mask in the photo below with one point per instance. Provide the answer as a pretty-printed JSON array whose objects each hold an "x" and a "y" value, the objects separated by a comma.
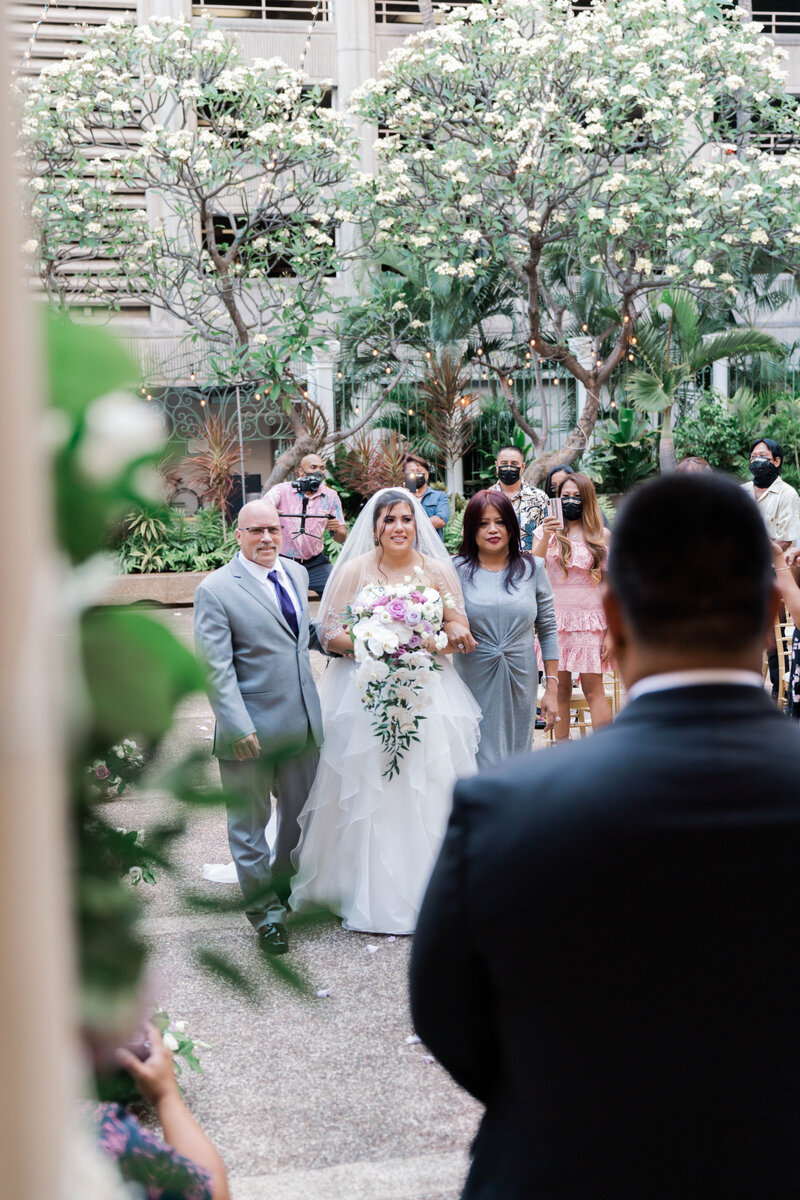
[
  {"x": 307, "y": 507},
  {"x": 778, "y": 502},
  {"x": 435, "y": 503},
  {"x": 529, "y": 503},
  {"x": 575, "y": 557},
  {"x": 555, "y": 477}
]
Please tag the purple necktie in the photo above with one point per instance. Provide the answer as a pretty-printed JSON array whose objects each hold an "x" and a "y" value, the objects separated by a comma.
[{"x": 287, "y": 608}]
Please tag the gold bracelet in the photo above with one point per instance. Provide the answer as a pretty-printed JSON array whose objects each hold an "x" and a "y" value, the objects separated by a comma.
[{"x": 777, "y": 569}]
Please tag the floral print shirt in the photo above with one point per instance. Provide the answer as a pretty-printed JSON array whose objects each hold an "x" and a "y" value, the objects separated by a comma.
[
  {"x": 144, "y": 1159},
  {"x": 530, "y": 505}
]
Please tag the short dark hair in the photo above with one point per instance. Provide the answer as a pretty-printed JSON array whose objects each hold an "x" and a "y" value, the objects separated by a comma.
[
  {"x": 518, "y": 562},
  {"x": 548, "y": 488},
  {"x": 419, "y": 460},
  {"x": 775, "y": 448},
  {"x": 517, "y": 450},
  {"x": 690, "y": 563}
]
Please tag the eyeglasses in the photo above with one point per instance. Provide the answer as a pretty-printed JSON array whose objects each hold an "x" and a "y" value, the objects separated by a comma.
[{"x": 260, "y": 530}]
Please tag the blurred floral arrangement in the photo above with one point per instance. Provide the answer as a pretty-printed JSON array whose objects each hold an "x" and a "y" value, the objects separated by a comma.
[
  {"x": 121, "y": 765},
  {"x": 181, "y": 1043}
]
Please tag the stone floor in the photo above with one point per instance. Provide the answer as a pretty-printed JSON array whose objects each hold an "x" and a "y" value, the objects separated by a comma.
[{"x": 321, "y": 1099}]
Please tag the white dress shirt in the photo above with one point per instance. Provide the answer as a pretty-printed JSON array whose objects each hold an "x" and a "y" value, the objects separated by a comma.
[
  {"x": 260, "y": 573},
  {"x": 697, "y": 677}
]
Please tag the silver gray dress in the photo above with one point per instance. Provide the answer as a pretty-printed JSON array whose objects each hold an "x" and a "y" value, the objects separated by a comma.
[{"x": 502, "y": 673}]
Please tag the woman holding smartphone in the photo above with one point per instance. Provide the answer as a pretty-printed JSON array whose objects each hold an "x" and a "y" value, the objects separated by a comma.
[{"x": 575, "y": 554}]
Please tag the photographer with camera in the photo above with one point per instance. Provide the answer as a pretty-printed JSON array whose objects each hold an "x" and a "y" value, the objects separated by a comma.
[{"x": 306, "y": 508}]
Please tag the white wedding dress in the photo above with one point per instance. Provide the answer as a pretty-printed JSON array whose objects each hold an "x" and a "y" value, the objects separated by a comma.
[{"x": 368, "y": 844}]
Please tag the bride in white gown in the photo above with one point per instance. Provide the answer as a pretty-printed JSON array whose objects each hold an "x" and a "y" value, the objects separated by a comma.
[{"x": 369, "y": 843}]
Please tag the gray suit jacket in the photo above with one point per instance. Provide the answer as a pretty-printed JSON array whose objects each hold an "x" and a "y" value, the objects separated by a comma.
[{"x": 259, "y": 674}]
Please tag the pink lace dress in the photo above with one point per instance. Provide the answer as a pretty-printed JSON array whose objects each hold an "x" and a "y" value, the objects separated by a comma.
[{"x": 580, "y": 620}]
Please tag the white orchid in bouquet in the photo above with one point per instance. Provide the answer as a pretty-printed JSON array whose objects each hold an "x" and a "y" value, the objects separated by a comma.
[{"x": 394, "y": 628}]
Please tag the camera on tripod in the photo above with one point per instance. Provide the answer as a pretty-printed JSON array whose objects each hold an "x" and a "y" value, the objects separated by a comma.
[{"x": 309, "y": 483}]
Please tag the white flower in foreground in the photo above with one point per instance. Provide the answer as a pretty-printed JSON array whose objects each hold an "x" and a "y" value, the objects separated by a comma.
[
  {"x": 118, "y": 430},
  {"x": 702, "y": 267},
  {"x": 759, "y": 237},
  {"x": 170, "y": 1041}
]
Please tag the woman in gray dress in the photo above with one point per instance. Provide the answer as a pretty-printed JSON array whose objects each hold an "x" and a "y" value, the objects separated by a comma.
[{"x": 508, "y": 598}]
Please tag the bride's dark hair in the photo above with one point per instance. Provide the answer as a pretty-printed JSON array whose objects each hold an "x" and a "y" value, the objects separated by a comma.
[{"x": 383, "y": 508}]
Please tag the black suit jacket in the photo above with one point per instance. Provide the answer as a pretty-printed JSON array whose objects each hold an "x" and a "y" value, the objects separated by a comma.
[{"x": 608, "y": 957}]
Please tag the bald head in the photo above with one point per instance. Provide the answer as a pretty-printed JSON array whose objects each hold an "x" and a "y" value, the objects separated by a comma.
[
  {"x": 256, "y": 512},
  {"x": 312, "y": 464},
  {"x": 258, "y": 532}
]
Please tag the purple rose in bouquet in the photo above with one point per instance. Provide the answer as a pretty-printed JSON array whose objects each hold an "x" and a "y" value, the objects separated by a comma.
[
  {"x": 413, "y": 617},
  {"x": 397, "y": 609},
  {"x": 101, "y": 771}
]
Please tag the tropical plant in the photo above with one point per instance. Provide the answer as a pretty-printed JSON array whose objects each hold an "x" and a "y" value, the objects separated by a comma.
[
  {"x": 550, "y": 143},
  {"x": 198, "y": 543},
  {"x": 674, "y": 347},
  {"x": 623, "y": 454},
  {"x": 714, "y": 432},
  {"x": 212, "y": 467},
  {"x": 372, "y": 461}
]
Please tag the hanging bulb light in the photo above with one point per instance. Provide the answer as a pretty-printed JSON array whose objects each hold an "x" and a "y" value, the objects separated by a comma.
[
  {"x": 258, "y": 395},
  {"x": 339, "y": 375},
  {"x": 388, "y": 370},
  {"x": 479, "y": 351},
  {"x": 585, "y": 328},
  {"x": 374, "y": 353},
  {"x": 411, "y": 412}
]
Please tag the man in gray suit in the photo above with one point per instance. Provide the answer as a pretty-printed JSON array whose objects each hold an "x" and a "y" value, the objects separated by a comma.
[{"x": 251, "y": 628}]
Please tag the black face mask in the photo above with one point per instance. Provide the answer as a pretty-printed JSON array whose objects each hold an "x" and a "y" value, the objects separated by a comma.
[
  {"x": 572, "y": 509},
  {"x": 414, "y": 482},
  {"x": 763, "y": 471},
  {"x": 508, "y": 475}
]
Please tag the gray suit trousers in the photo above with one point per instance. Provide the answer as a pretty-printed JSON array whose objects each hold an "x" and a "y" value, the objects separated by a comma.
[{"x": 264, "y": 871}]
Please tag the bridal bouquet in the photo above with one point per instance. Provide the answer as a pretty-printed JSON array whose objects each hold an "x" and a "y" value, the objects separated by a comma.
[{"x": 390, "y": 625}]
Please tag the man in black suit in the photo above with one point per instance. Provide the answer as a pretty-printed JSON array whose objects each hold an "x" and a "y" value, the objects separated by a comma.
[{"x": 608, "y": 955}]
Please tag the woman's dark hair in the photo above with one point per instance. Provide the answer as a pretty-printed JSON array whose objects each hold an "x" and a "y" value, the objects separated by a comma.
[
  {"x": 518, "y": 562},
  {"x": 549, "y": 487},
  {"x": 775, "y": 448},
  {"x": 385, "y": 505}
]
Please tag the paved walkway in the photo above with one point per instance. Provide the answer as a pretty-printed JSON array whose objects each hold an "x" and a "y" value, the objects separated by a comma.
[{"x": 306, "y": 1100}]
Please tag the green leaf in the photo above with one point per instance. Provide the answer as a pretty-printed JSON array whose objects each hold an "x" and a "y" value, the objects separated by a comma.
[
  {"x": 136, "y": 671},
  {"x": 227, "y": 972}
]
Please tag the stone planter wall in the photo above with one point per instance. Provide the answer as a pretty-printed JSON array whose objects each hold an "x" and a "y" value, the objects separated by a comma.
[{"x": 170, "y": 588}]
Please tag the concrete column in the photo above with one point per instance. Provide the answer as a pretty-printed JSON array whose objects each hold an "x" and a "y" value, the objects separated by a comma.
[
  {"x": 357, "y": 62},
  {"x": 455, "y": 478},
  {"x": 37, "y": 1041},
  {"x": 719, "y": 377},
  {"x": 321, "y": 381}
]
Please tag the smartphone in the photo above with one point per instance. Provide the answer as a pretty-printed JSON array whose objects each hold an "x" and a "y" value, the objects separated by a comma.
[{"x": 554, "y": 510}]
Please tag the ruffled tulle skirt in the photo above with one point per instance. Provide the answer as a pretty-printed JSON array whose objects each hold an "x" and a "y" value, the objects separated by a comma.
[{"x": 368, "y": 844}]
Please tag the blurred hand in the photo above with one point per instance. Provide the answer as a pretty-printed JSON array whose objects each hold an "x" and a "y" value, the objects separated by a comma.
[
  {"x": 460, "y": 638},
  {"x": 780, "y": 557},
  {"x": 548, "y": 707},
  {"x": 791, "y": 556},
  {"x": 333, "y": 525},
  {"x": 247, "y": 747},
  {"x": 551, "y": 525},
  {"x": 607, "y": 649},
  {"x": 155, "y": 1077}
]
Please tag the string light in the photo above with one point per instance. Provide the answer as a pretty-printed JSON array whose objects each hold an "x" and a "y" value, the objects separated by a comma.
[
  {"x": 258, "y": 395},
  {"x": 630, "y": 358},
  {"x": 339, "y": 375},
  {"x": 388, "y": 370},
  {"x": 427, "y": 353},
  {"x": 192, "y": 376},
  {"x": 356, "y": 410},
  {"x": 625, "y": 319},
  {"x": 375, "y": 354},
  {"x": 585, "y": 328},
  {"x": 411, "y": 412},
  {"x": 309, "y": 31},
  {"x": 149, "y": 397},
  {"x": 202, "y": 403},
  {"x": 633, "y": 341},
  {"x": 556, "y": 380},
  {"x": 479, "y": 351}
]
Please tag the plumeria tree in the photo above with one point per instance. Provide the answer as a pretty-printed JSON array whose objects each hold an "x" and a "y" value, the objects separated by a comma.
[
  {"x": 241, "y": 168},
  {"x": 613, "y": 151}
]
